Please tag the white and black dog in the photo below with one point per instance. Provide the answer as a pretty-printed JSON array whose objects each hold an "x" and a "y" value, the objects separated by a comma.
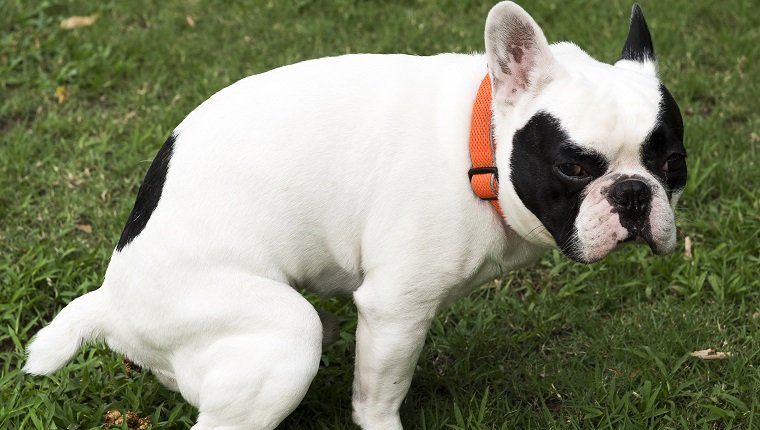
[{"x": 349, "y": 175}]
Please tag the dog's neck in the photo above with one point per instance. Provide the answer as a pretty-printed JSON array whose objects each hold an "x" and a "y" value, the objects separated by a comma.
[{"x": 484, "y": 176}]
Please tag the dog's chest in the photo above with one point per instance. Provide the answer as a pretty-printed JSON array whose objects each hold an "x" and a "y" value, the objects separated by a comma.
[{"x": 328, "y": 279}]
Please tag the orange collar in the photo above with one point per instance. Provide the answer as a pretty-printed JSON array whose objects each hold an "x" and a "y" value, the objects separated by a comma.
[{"x": 484, "y": 177}]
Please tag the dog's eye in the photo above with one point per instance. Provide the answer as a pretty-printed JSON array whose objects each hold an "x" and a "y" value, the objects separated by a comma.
[
  {"x": 575, "y": 171},
  {"x": 674, "y": 163}
]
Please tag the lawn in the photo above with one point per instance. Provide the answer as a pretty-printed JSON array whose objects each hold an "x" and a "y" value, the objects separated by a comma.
[{"x": 560, "y": 345}]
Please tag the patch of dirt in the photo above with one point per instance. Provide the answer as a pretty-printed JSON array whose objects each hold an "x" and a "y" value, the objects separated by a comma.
[
  {"x": 7, "y": 346},
  {"x": 114, "y": 418},
  {"x": 554, "y": 404},
  {"x": 130, "y": 367}
]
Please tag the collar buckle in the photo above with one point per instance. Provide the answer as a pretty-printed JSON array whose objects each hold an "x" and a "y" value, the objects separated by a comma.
[{"x": 482, "y": 171}]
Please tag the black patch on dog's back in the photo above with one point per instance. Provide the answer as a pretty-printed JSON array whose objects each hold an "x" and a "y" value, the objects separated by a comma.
[{"x": 149, "y": 194}]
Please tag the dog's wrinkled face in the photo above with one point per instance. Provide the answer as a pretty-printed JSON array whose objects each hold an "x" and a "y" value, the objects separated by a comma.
[{"x": 593, "y": 152}]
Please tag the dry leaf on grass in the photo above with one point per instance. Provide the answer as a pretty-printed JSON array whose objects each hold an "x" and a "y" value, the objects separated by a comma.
[
  {"x": 60, "y": 93},
  {"x": 710, "y": 354},
  {"x": 687, "y": 248},
  {"x": 129, "y": 115},
  {"x": 84, "y": 228},
  {"x": 190, "y": 21},
  {"x": 78, "y": 21}
]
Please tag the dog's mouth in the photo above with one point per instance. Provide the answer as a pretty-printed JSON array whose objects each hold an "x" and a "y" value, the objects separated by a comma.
[
  {"x": 631, "y": 239},
  {"x": 642, "y": 237},
  {"x": 637, "y": 238}
]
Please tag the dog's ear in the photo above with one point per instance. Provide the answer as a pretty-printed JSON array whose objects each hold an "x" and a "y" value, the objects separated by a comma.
[
  {"x": 519, "y": 59},
  {"x": 638, "y": 45}
]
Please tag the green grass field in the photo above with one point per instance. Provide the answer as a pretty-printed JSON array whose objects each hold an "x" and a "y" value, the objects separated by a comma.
[{"x": 561, "y": 345}]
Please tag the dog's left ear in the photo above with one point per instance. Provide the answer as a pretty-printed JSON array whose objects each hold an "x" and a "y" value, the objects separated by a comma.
[
  {"x": 638, "y": 46},
  {"x": 519, "y": 59}
]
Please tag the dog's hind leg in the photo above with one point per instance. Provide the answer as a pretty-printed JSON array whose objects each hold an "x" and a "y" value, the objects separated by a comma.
[{"x": 257, "y": 363}]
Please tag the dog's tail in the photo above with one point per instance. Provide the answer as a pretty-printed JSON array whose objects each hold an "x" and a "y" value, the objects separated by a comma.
[{"x": 53, "y": 346}]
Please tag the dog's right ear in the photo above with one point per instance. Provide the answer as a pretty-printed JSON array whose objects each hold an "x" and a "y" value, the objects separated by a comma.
[
  {"x": 519, "y": 60},
  {"x": 638, "y": 45},
  {"x": 638, "y": 51}
]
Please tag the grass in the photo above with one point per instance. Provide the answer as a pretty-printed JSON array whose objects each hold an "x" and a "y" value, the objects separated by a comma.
[{"x": 560, "y": 345}]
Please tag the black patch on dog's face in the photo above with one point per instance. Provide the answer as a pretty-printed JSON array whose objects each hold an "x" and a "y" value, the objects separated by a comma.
[
  {"x": 663, "y": 153},
  {"x": 538, "y": 149},
  {"x": 148, "y": 195}
]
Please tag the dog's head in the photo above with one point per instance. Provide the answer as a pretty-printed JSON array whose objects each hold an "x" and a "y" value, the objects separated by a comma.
[{"x": 590, "y": 155}]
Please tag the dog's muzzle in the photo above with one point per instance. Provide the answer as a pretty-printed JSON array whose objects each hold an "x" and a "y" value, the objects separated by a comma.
[{"x": 631, "y": 199}]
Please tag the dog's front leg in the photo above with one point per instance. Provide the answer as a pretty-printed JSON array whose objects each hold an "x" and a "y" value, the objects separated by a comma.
[{"x": 389, "y": 337}]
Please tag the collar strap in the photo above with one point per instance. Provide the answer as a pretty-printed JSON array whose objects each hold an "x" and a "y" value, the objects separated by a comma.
[{"x": 484, "y": 176}]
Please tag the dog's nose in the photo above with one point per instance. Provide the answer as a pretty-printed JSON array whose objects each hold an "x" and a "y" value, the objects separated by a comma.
[{"x": 631, "y": 197}]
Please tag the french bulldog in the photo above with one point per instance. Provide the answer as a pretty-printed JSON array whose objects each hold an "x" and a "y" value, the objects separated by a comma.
[{"x": 349, "y": 176}]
